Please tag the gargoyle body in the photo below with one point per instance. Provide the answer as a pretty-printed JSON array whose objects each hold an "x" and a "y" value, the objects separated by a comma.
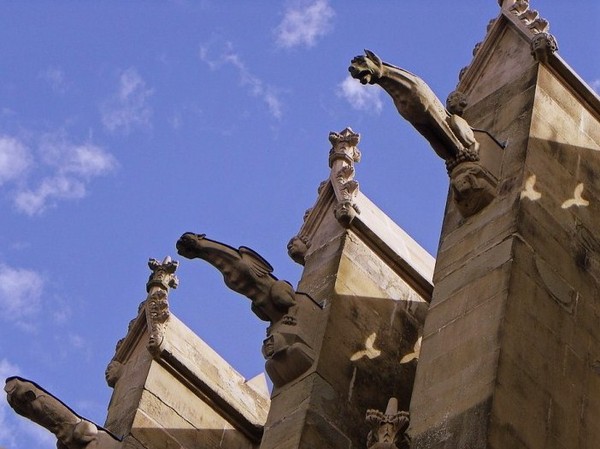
[
  {"x": 286, "y": 349},
  {"x": 451, "y": 137},
  {"x": 71, "y": 430},
  {"x": 449, "y": 134},
  {"x": 245, "y": 272}
]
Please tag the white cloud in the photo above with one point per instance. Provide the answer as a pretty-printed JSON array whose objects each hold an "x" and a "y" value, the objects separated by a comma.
[
  {"x": 15, "y": 159},
  {"x": 128, "y": 108},
  {"x": 361, "y": 97},
  {"x": 85, "y": 160},
  {"x": 69, "y": 168},
  {"x": 36, "y": 201},
  {"x": 20, "y": 294},
  {"x": 56, "y": 79},
  {"x": 254, "y": 85},
  {"x": 304, "y": 22},
  {"x": 7, "y": 369}
]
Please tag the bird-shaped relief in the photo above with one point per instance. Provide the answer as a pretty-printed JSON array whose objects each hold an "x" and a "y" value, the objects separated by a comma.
[
  {"x": 413, "y": 355},
  {"x": 529, "y": 191},
  {"x": 370, "y": 351},
  {"x": 577, "y": 200}
]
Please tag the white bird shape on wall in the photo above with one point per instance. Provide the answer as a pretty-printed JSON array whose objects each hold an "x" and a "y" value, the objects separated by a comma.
[
  {"x": 369, "y": 351},
  {"x": 415, "y": 354},
  {"x": 529, "y": 191},
  {"x": 577, "y": 200}
]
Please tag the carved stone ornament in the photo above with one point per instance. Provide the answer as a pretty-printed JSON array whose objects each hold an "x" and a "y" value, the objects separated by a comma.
[
  {"x": 297, "y": 248},
  {"x": 529, "y": 17},
  {"x": 71, "y": 430},
  {"x": 473, "y": 187},
  {"x": 342, "y": 156},
  {"x": 157, "y": 302},
  {"x": 113, "y": 373},
  {"x": 388, "y": 430},
  {"x": 450, "y": 136},
  {"x": 163, "y": 274},
  {"x": 456, "y": 102},
  {"x": 244, "y": 271},
  {"x": 542, "y": 46}
]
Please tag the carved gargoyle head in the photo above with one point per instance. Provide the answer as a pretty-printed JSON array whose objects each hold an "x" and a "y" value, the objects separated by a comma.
[
  {"x": 19, "y": 395},
  {"x": 188, "y": 244},
  {"x": 367, "y": 69}
]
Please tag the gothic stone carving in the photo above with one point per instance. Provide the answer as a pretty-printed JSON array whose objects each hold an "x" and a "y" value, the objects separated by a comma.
[
  {"x": 157, "y": 305},
  {"x": 542, "y": 46},
  {"x": 388, "y": 430},
  {"x": 529, "y": 17},
  {"x": 297, "y": 248},
  {"x": 72, "y": 431},
  {"x": 244, "y": 271},
  {"x": 472, "y": 188},
  {"x": 342, "y": 156},
  {"x": 449, "y": 134},
  {"x": 113, "y": 373}
]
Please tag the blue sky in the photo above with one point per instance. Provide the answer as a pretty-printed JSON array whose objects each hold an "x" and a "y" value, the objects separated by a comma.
[{"x": 125, "y": 124}]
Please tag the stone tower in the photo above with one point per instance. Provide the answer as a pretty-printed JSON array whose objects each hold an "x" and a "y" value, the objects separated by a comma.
[{"x": 511, "y": 344}]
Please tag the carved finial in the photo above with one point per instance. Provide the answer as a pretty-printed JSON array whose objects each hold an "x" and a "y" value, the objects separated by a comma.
[
  {"x": 542, "y": 46},
  {"x": 163, "y": 274},
  {"x": 388, "y": 430},
  {"x": 157, "y": 305},
  {"x": 342, "y": 156},
  {"x": 344, "y": 146}
]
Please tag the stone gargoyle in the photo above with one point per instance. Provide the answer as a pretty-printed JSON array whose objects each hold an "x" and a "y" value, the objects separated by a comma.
[
  {"x": 286, "y": 349},
  {"x": 71, "y": 430},
  {"x": 451, "y": 137}
]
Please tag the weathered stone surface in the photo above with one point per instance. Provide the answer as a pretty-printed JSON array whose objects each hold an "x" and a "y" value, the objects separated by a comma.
[
  {"x": 71, "y": 430},
  {"x": 517, "y": 288},
  {"x": 288, "y": 348},
  {"x": 374, "y": 282},
  {"x": 183, "y": 396}
]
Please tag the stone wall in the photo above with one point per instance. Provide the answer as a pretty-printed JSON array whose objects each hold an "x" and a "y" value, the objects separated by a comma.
[{"x": 186, "y": 396}]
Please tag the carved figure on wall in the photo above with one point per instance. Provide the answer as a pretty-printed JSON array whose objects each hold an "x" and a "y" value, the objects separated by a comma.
[
  {"x": 113, "y": 373},
  {"x": 451, "y": 137},
  {"x": 244, "y": 271},
  {"x": 297, "y": 248},
  {"x": 448, "y": 134},
  {"x": 388, "y": 430},
  {"x": 472, "y": 188},
  {"x": 71, "y": 430},
  {"x": 542, "y": 46}
]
